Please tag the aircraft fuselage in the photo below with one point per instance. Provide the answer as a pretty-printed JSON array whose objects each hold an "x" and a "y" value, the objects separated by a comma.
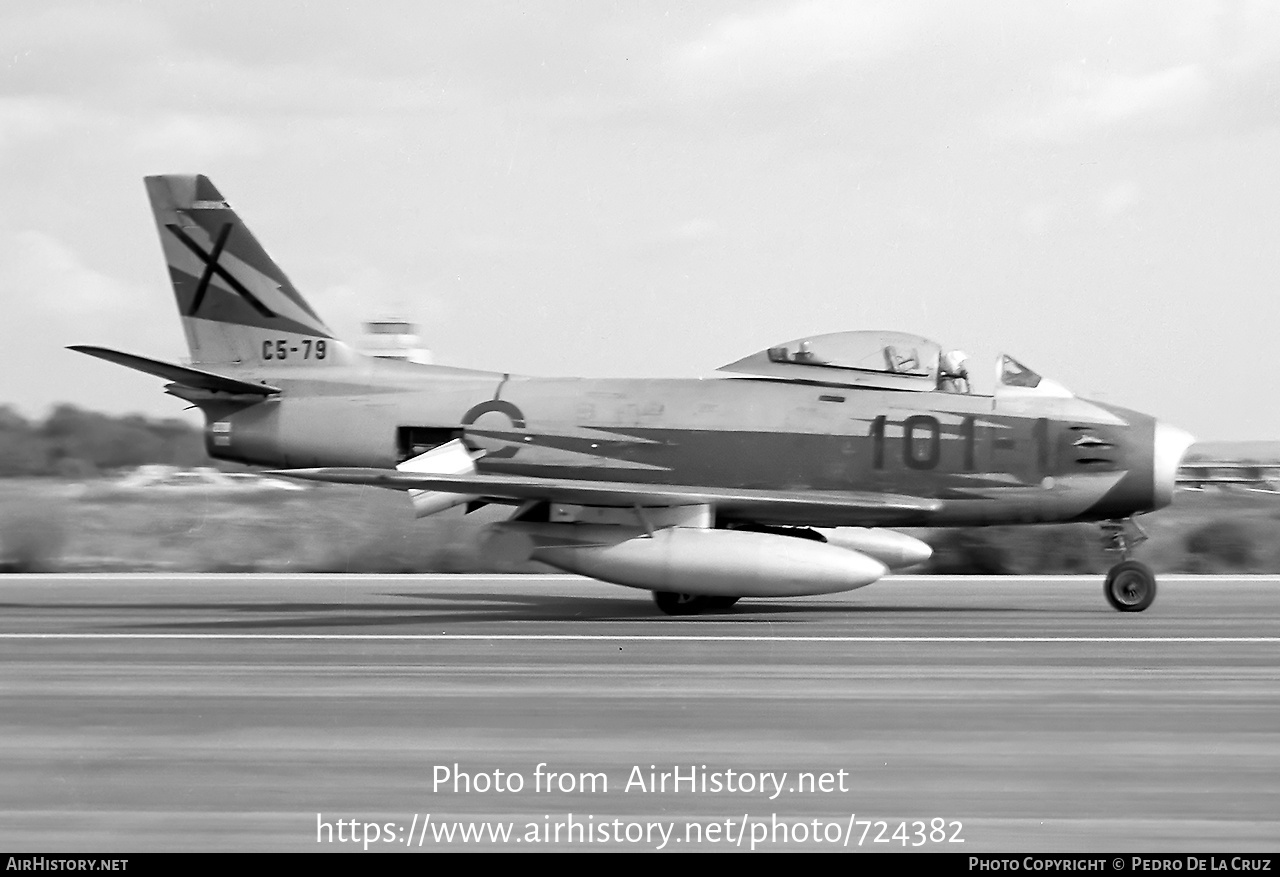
[{"x": 988, "y": 460}]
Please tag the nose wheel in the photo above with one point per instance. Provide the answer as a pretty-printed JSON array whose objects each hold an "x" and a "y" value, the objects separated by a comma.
[{"x": 1130, "y": 585}]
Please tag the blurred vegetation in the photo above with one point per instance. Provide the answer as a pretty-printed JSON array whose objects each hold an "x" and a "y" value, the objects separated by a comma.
[
  {"x": 1207, "y": 532},
  {"x": 50, "y": 521},
  {"x": 1223, "y": 544},
  {"x": 33, "y": 534},
  {"x": 1047, "y": 549},
  {"x": 49, "y": 524},
  {"x": 72, "y": 442},
  {"x": 61, "y": 525}
]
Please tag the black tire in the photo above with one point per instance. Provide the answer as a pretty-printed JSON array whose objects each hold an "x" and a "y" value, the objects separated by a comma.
[
  {"x": 721, "y": 603},
  {"x": 1130, "y": 587},
  {"x": 681, "y": 604}
]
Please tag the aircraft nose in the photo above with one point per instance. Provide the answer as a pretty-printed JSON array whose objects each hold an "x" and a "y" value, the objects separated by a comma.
[{"x": 1171, "y": 445}]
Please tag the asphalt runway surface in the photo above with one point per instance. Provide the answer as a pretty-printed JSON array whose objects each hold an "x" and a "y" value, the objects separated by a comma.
[{"x": 232, "y": 713}]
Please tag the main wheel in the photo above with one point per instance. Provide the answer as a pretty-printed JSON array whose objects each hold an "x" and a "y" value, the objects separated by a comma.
[
  {"x": 681, "y": 604},
  {"x": 721, "y": 602},
  {"x": 1131, "y": 586}
]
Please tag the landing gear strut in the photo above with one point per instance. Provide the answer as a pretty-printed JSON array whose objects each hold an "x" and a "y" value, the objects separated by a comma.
[
  {"x": 1130, "y": 585},
  {"x": 690, "y": 604}
]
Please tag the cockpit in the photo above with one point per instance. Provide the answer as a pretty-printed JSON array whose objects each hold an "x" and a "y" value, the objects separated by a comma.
[
  {"x": 887, "y": 360},
  {"x": 869, "y": 351}
]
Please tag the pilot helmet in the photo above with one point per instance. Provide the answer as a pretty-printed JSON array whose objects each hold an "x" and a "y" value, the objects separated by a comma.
[{"x": 954, "y": 363}]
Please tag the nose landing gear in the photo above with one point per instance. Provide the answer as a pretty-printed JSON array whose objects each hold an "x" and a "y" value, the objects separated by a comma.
[{"x": 1130, "y": 585}]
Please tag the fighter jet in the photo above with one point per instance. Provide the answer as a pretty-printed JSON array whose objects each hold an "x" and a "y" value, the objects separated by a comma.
[{"x": 781, "y": 477}]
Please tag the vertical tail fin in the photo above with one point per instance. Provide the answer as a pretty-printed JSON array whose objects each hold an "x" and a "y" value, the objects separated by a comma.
[{"x": 236, "y": 305}]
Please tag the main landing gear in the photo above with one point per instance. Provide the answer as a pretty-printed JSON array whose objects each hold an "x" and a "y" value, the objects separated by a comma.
[
  {"x": 691, "y": 604},
  {"x": 1130, "y": 585}
]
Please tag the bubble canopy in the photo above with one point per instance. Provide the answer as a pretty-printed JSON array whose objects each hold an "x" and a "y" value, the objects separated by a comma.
[
  {"x": 894, "y": 360},
  {"x": 882, "y": 359}
]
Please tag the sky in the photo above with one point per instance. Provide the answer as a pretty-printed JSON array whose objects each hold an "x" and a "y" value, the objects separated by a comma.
[{"x": 635, "y": 189}]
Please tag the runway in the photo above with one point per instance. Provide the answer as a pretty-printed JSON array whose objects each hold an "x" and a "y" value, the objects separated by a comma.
[{"x": 146, "y": 713}]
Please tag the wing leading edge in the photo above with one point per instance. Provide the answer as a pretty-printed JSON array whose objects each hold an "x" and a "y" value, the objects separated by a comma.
[{"x": 881, "y": 506}]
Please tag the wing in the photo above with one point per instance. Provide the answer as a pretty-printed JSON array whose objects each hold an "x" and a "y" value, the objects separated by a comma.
[
  {"x": 180, "y": 374},
  {"x": 775, "y": 504}
]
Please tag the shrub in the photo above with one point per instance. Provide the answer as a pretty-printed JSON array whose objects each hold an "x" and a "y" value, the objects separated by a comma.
[
  {"x": 1226, "y": 543},
  {"x": 970, "y": 551},
  {"x": 1066, "y": 549},
  {"x": 31, "y": 539}
]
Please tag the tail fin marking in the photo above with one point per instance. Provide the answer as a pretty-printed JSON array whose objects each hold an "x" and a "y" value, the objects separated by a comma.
[
  {"x": 231, "y": 295},
  {"x": 212, "y": 267}
]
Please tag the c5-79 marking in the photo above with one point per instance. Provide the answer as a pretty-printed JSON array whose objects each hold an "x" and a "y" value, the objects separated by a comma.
[{"x": 304, "y": 348}]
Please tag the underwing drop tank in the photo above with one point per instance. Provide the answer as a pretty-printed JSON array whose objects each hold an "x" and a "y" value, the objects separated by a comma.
[
  {"x": 895, "y": 550},
  {"x": 729, "y": 563}
]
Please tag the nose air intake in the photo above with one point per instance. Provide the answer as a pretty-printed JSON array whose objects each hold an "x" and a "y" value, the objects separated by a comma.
[{"x": 1171, "y": 445}]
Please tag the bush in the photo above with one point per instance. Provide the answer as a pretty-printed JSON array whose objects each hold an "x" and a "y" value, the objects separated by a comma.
[
  {"x": 1224, "y": 543},
  {"x": 31, "y": 539},
  {"x": 1046, "y": 549},
  {"x": 1066, "y": 549},
  {"x": 970, "y": 551}
]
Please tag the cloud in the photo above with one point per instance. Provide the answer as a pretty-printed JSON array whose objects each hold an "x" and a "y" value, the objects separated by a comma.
[
  {"x": 680, "y": 241},
  {"x": 1192, "y": 67},
  {"x": 28, "y": 118},
  {"x": 197, "y": 138},
  {"x": 368, "y": 293},
  {"x": 1251, "y": 34},
  {"x": 1083, "y": 104},
  {"x": 1036, "y": 219},
  {"x": 33, "y": 121},
  {"x": 160, "y": 67},
  {"x": 1118, "y": 199},
  {"x": 41, "y": 270},
  {"x": 202, "y": 82},
  {"x": 693, "y": 231},
  {"x": 49, "y": 49},
  {"x": 779, "y": 47}
]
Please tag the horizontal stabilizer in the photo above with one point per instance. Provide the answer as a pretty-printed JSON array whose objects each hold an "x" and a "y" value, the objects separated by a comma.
[
  {"x": 179, "y": 374},
  {"x": 626, "y": 494}
]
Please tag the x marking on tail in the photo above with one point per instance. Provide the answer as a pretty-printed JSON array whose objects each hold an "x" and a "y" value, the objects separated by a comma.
[{"x": 211, "y": 267}]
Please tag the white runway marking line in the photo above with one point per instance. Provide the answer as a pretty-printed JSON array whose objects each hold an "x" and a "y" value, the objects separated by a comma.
[
  {"x": 629, "y": 637},
  {"x": 259, "y": 578}
]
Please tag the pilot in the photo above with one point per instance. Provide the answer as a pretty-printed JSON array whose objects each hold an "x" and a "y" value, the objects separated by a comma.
[
  {"x": 805, "y": 353},
  {"x": 953, "y": 372}
]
